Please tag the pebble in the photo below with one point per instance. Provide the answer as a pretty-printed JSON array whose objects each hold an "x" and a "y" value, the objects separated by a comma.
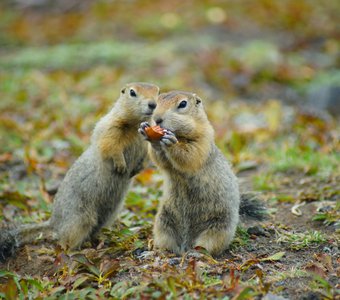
[
  {"x": 325, "y": 98},
  {"x": 270, "y": 296},
  {"x": 174, "y": 261},
  {"x": 256, "y": 230}
]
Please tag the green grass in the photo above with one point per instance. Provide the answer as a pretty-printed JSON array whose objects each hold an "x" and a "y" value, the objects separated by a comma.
[
  {"x": 306, "y": 161},
  {"x": 331, "y": 216},
  {"x": 68, "y": 56},
  {"x": 301, "y": 240},
  {"x": 22, "y": 287},
  {"x": 294, "y": 272},
  {"x": 265, "y": 182},
  {"x": 322, "y": 286},
  {"x": 241, "y": 238}
]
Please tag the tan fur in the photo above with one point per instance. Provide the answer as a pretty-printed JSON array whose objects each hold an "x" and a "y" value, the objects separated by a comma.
[
  {"x": 118, "y": 131},
  {"x": 201, "y": 197},
  {"x": 73, "y": 238},
  {"x": 162, "y": 240},
  {"x": 93, "y": 190},
  {"x": 122, "y": 137},
  {"x": 193, "y": 147},
  {"x": 115, "y": 137},
  {"x": 214, "y": 241}
]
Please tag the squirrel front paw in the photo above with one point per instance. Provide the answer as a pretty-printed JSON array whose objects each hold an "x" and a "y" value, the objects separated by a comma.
[
  {"x": 168, "y": 139},
  {"x": 142, "y": 131},
  {"x": 119, "y": 166}
]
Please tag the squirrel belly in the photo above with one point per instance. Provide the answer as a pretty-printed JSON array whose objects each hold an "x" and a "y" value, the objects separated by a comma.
[
  {"x": 92, "y": 197},
  {"x": 201, "y": 209}
]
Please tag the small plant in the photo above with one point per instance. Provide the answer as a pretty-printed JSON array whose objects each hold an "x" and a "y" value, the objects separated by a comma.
[
  {"x": 265, "y": 182},
  {"x": 329, "y": 217},
  {"x": 18, "y": 287},
  {"x": 298, "y": 241},
  {"x": 323, "y": 287},
  {"x": 291, "y": 273},
  {"x": 241, "y": 238},
  {"x": 307, "y": 161}
]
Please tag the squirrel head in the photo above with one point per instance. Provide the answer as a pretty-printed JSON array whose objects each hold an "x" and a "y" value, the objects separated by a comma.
[
  {"x": 182, "y": 113},
  {"x": 139, "y": 100}
]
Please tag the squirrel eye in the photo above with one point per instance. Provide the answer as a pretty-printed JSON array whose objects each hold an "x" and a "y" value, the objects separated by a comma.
[
  {"x": 183, "y": 104},
  {"x": 133, "y": 93}
]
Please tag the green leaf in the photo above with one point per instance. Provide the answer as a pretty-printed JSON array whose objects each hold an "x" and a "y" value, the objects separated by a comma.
[
  {"x": 172, "y": 285},
  {"x": 79, "y": 281},
  {"x": 246, "y": 294},
  {"x": 35, "y": 283},
  {"x": 6, "y": 274},
  {"x": 276, "y": 256}
]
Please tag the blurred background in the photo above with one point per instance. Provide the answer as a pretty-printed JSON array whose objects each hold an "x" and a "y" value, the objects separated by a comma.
[{"x": 267, "y": 70}]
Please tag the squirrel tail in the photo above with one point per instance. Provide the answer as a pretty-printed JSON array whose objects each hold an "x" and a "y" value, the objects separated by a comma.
[
  {"x": 11, "y": 239},
  {"x": 252, "y": 208}
]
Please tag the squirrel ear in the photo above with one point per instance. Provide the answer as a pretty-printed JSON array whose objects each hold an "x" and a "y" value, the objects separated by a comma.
[
  {"x": 198, "y": 99},
  {"x": 123, "y": 91}
]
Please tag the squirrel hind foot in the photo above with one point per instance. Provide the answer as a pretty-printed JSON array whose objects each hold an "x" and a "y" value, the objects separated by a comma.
[{"x": 214, "y": 241}]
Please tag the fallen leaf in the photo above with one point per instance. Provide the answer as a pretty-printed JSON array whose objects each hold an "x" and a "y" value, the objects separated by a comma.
[
  {"x": 316, "y": 268},
  {"x": 274, "y": 257},
  {"x": 295, "y": 209}
]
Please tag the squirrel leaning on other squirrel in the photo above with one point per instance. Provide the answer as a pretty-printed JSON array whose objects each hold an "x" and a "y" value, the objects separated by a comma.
[
  {"x": 92, "y": 192},
  {"x": 201, "y": 203}
]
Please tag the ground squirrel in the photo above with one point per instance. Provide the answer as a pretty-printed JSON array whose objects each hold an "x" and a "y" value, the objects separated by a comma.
[
  {"x": 201, "y": 201},
  {"x": 92, "y": 192}
]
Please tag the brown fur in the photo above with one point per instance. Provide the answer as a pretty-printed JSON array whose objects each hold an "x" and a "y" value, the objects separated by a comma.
[
  {"x": 123, "y": 135},
  {"x": 93, "y": 190},
  {"x": 193, "y": 146},
  {"x": 201, "y": 196}
]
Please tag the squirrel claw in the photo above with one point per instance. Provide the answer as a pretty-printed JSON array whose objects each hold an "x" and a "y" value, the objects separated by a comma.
[
  {"x": 120, "y": 168},
  {"x": 168, "y": 139},
  {"x": 142, "y": 128},
  {"x": 144, "y": 125},
  {"x": 142, "y": 132}
]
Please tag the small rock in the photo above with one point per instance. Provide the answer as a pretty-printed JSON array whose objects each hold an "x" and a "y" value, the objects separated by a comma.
[
  {"x": 325, "y": 98},
  {"x": 18, "y": 172},
  {"x": 311, "y": 296},
  {"x": 271, "y": 230},
  {"x": 325, "y": 208},
  {"x": 326, "y": 250},
  {"x": 194, "y": 254},
  {"x": 146, "y": 255},
  {"x": 270, "y": 296},
  {"x": 251, "y": 248},
  {"x": 174, "y": 261},
  {"x": 138, "y": 252},
  {"x": 256, "y": 230}
]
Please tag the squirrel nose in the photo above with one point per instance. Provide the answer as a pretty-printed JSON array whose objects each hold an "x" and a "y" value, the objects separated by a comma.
[
  {"x": 152, "y": 105},
  {"x": 158, "y": 121}
]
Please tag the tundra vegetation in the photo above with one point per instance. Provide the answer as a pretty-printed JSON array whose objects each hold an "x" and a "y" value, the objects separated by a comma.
[{"x": 268, "y": 72}]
